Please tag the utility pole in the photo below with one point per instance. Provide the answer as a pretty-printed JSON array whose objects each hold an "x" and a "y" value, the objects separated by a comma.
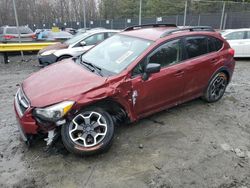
[
  {"x": 185, "y": 13},
  {"x": 17, "y": 24},
  {"x": 222, "y": 15},
  {"x": 140, "y": 12},
  {"x": 84, "y": 15}
]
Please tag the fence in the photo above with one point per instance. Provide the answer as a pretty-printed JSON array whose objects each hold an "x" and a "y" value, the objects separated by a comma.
[{"x": 218, "y": 14}]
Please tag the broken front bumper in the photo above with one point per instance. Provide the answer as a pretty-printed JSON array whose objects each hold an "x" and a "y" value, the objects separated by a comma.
[{"x": 26, "y": 123}]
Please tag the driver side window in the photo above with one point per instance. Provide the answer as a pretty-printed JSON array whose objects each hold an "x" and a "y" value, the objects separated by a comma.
[{"x": 168, "y": 54}]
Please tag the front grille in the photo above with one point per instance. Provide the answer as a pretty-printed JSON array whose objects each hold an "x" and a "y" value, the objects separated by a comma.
[{"x": 22, "y": 103}]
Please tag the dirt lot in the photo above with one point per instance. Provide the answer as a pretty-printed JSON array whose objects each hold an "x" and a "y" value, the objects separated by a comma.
[{"x": 193, "y": 145}]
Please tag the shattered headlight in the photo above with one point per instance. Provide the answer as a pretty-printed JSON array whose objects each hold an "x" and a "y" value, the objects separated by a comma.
[{"x": 54, "y": 112}]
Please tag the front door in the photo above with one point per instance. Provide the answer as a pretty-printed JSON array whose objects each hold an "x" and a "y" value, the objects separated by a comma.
[{"x": 162, "y": 89}]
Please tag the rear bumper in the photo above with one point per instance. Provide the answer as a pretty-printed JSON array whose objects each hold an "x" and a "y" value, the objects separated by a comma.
[{"x": 47, "y": 59}]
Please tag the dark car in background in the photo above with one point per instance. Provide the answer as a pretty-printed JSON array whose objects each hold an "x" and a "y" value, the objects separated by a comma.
[{"x": 10, "y": 34}]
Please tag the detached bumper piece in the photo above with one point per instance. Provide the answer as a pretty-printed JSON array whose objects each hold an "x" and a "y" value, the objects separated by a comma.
[{"x": 47, "y": 60}]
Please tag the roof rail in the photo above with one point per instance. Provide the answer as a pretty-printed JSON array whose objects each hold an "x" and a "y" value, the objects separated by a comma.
[
  {"x": 196, "y": 28},
  {"x": 148, "y": 25}
]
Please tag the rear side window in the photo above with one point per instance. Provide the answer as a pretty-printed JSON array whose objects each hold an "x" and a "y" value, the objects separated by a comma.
[
  {"x": 214, "y": 44},
  {"x": 235, "y": 35},
  {"x": 12, "y": 30},
  {"x": 196, "y": 46},
  {"x": 25, "y": 30},
  {"x": 1, "y": 30}
]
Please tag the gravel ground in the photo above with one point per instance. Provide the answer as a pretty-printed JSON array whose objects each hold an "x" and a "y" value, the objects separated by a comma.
[{"x": 193, "y": 145}]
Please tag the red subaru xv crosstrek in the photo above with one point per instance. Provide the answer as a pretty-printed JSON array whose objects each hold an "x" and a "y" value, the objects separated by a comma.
[{"x": 131, "y": 75}]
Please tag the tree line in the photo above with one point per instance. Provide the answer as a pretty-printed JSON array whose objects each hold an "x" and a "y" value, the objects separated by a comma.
[{"x": 60, "y": 11}]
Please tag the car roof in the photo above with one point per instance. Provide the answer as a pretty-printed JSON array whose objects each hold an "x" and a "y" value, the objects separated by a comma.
[{"x": 155, "y": 32}]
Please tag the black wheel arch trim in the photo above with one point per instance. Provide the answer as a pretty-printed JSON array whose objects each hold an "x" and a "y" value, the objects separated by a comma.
[
  {"x": 65, "y": 55},
  {"x": 222, "y": 69}
]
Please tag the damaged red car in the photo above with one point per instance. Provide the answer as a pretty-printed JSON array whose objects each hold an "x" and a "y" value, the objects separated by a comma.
[{"x": 138, "y": 72}]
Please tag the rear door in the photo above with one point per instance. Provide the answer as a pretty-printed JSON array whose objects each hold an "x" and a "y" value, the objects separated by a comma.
[
  {"x": 161, "y": 89},
  {"x": 201, "y": 62}
]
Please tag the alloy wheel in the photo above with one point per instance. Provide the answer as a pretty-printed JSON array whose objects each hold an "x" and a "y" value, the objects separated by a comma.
[
  {"x": 88, "y": 129},
  {"x": 218, "y": 87}
]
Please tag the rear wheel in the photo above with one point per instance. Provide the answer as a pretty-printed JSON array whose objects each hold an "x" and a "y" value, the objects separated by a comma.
[
  {"x": 216, "y": 87},
  {"x": 90, "y": 132},
  {"x": 63, "y": 57}
]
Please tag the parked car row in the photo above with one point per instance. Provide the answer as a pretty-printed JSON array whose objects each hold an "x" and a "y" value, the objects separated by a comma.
[
  {"x": 239, "y": 39},
  {"x": 130, "y": 75},
  {"x": 10, "y": 34}
]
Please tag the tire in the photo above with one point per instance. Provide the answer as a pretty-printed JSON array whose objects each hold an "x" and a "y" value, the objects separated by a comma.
[
  {"x": 90, "y": 132},
  {"x": 63, "y": 57},
  {"x": 216, "y": 88}
]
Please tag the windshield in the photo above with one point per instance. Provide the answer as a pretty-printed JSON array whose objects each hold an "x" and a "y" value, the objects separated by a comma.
[
  {"x": 116, "y": 53},
  {"x": 76, "y": 38}
]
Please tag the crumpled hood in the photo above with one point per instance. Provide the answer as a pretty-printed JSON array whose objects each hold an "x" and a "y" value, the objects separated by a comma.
[
  {"x": 61, "y": 81},
  {"x": 56, "y": 46}
]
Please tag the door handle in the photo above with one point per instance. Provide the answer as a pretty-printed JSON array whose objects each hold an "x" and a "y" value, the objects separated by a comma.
[
  {"x": 214, "y": 60},
  {"x": 179, "y": 73}
]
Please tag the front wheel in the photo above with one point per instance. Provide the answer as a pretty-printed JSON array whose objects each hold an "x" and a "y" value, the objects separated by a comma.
[
  {"x": 90, "y": 132},
  {"x": 216, "y": 87}
]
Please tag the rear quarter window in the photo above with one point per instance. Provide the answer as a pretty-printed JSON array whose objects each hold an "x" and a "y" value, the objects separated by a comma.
[
  {"x": 214, "y": 44},
  {"x": 248, "y": 35}
]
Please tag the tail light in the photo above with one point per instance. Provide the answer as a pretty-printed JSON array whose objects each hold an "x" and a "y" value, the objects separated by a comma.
[
  {"x": 231, "y": 51},
  {"x": 33, "y": 36},
  {"x": 8, "y": 37}
]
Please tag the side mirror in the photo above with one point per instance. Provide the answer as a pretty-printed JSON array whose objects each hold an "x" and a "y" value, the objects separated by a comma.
[
  {"x": 83, "y": 43},
  {"x": 150, "y": 69}
]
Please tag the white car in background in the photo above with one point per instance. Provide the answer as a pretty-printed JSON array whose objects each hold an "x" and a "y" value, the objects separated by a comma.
[
  {"x": 73, "y": 47},
  {"x": 239, "y": 40}
]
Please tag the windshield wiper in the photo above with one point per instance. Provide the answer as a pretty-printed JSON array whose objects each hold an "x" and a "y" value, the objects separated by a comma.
[{"x": 91, "y": 66}]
